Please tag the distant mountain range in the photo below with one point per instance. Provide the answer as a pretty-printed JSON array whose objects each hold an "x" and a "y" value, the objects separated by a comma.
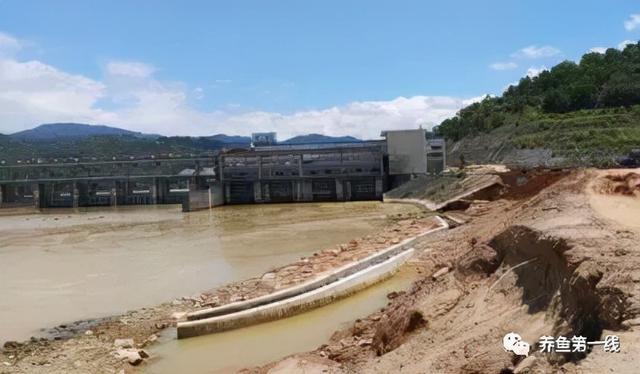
[
  {"x": 53, "y": 131},
  {"x": 318, "y": 138},
  {"x": 59, "y": 131},
  {"x": 77, "y": 141},
  {"x": 231, "y": 139}
]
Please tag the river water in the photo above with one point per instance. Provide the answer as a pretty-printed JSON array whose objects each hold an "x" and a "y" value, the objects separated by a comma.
[
  {"x": 63, "y": 266},
  {"x": 230, "y": 351}
]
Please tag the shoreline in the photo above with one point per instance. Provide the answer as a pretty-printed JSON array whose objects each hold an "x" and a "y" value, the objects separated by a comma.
[
  {"x": 86, "y": 267},
  {"x": 99, "y": 336},
  {"x": 473, "y": 290}
]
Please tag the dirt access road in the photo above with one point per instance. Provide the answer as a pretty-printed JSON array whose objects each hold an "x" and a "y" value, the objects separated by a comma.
[{"x": 555, "y": 254}]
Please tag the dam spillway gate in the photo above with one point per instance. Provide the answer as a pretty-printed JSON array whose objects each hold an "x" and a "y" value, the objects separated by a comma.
[
  {"x": 103, "y": 183},
  {"x": 297, "y": 173}
]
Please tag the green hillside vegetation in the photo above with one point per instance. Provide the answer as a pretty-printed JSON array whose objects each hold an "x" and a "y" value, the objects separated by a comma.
[
  {"x": 606, "y": 129},
  {"x": 582, "y": 111},
  {"x": 105, "y": 148}
]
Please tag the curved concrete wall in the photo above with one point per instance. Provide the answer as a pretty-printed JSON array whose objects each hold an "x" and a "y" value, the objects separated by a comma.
[
  {"x": 317, "y": 282},
  {"x": 432, "y": 205},
  {"x": 296, "y": 304},
  {"x": 425, "y": 204}
]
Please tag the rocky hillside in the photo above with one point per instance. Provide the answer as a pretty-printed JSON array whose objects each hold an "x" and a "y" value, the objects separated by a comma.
[
  {"x": 595, "y": 137},
  {"x": 585, "y": 113}
]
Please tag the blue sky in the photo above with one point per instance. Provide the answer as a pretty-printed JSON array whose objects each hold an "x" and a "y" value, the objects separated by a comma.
[{"x": 338, "y": 67}]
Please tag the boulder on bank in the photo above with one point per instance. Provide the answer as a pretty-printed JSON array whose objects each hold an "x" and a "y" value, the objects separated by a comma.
[
  {"x": 123, "y": 343},
  {"x": 132, "y": 356}
]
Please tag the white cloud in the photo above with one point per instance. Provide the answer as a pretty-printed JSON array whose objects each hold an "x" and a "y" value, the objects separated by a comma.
[
  {"x": 633, "y": 22},
  {"x": 503, "y": 66},
  {"x": 362, "y": 119},
  {"x": 601, "y": 50},
  {"x": 160, "y": 107},
  {"x": 533, "y": 71},
  {"x": 198, "y": 93},
  {"x": 624, "y": 43},
  {"x": 475, "y": 99},
  {"x": 131, "y": 69},
  {"x": 8, "y": 44},
  {"x": 533, "y": 51},
  {"x": 514, "y": 83},
  {"x": 34, "y": 92},
  {"x": 168, "y": 113}
]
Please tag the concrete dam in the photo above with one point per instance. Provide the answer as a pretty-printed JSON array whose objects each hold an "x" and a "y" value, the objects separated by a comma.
[
  {"x": 106, "y": 183},
  {"x": 268, "y": 172},
  {"x": 335, "y": 172}
]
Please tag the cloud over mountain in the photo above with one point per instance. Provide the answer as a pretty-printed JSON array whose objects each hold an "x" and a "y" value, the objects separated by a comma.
[{"x": 129, "y": 95}]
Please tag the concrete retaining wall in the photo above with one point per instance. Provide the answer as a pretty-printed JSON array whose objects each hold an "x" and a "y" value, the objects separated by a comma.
[
  {"x": 297, "y": 304},
  {"x": 203, "y": 199},
  {"x": 316, "y": 282},
  {"x": 431, "y": 205},
  {"x": 423, "y": 204},
  {"x": 317, "y": 292},
  {"x": 217, "y": 194},
  {"x": 196, "y": 200}
]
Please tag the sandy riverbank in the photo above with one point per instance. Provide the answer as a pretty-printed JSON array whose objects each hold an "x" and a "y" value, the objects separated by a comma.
[{"x": 555, "y": 259}]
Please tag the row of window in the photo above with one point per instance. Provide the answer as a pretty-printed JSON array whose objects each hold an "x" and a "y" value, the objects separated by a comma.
[
  {"x": 252, "y": 161},
  {"x": 294, "y": 172}
]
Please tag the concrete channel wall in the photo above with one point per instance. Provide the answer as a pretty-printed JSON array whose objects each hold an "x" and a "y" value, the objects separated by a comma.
[
  {"x": 297, "y": 304},
  {"x": 218, "y": 319},
  {"x": 334, "y": 275},
  {"x": 423, "y": 204},
  {"x": 433, "y": 206}
]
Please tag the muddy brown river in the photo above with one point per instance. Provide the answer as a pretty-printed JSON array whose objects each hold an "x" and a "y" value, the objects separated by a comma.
[{"x": 63, "y": 266}]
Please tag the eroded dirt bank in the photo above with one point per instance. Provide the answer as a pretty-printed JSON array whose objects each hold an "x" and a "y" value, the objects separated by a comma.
[
  {"x": 120, "y": 343},
  {"x": 540, "y": 259}
]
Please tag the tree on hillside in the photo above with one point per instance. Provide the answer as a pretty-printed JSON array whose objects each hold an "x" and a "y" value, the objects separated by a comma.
[
  {"x": 623, "y": 89},
  {"x": 611, "y": 79}
]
